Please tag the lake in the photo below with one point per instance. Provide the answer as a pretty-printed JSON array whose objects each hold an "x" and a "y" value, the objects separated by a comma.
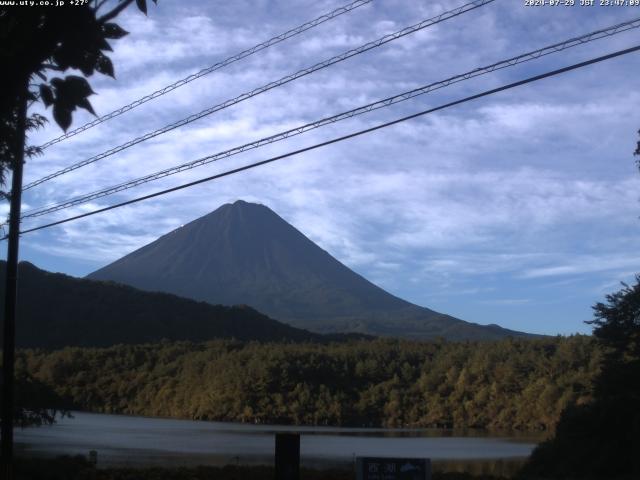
[{"x": 141, "y": 441}]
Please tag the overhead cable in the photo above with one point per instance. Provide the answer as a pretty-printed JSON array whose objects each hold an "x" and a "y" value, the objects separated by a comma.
[
  {"x": 205, "y": 71},
  {"x": 557, "y": 47},
  {"x": 282, "y": 81},
  {"x": 342, "y": 138}
]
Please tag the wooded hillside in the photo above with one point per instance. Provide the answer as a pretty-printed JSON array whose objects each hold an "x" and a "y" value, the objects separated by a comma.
[{"x": 510, "y": 384}]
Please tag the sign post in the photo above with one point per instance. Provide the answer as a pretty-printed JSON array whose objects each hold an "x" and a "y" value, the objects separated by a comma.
[{"x": 287, "y": 456}]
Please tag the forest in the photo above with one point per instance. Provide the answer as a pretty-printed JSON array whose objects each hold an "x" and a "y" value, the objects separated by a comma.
[{"x": 508, "y": 384}]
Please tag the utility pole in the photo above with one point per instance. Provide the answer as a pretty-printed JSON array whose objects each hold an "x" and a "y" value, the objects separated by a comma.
[{"x": 11, "y": 293}]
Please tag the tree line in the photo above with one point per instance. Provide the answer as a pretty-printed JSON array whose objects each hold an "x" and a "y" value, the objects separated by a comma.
[{"x": 509, "y": 384}]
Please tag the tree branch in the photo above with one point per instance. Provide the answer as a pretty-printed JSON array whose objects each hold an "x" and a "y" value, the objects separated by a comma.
[
  {"x": 99, "y": 4},
  {"x": 115, "y": 12},
  {"x": 51, "y": 66}
]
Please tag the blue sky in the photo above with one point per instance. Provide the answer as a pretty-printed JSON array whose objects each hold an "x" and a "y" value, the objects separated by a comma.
[{"x": 519, "y": 209}]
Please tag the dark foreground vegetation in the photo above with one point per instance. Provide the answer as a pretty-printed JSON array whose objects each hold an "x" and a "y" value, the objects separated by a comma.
[
  {"x": 601, "y": 439},
  {"x": 509, "y": 384},
  {"x": 77, "y": 468}
]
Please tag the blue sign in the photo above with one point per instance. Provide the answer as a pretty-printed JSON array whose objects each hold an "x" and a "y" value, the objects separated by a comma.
[{"x": 381, "y": 468}]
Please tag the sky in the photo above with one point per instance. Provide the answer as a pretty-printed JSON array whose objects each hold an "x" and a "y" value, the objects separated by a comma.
[{"x": 519, "y": 209}]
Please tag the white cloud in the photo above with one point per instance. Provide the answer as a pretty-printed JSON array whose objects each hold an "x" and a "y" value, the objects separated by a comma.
[{"x": 586, "y": 264}]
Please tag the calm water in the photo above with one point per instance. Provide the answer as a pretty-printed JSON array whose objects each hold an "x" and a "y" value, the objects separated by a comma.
[{"x": 128, "y": 440}]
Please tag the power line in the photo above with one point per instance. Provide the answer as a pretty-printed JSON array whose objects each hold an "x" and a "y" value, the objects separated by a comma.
[
  {"x": 342, "y": 138},
  {"x": 557, "y": 47},
  {"x": 282, "y": 81},
  {"x": 216, "y": 66}
]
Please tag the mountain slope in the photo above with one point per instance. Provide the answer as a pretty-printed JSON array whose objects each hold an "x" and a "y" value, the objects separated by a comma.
[
  {"x": 245, "y": 253},
  {"x": 55, "y": 310}
]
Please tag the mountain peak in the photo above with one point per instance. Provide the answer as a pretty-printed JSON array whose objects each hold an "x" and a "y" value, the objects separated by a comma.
[
  {"x": 236, "y": 210},
  {"x": 241, "y": 205},
  {"x": 251, "y": 208}
]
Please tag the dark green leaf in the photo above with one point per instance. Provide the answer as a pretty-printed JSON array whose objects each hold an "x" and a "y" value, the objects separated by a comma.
[
  {"x": 78, "y": 86},
  {"x": 70, "y": 93},
  {"x": 104, "y": 66},
  {"x": 35, "y": 122},
  {"x": 46, "y": 94},
  {"x": 57, "y": 82},
  {"x": 84, "y": 103},
  {"x": 86, "y": 63},
  {"x": 113, "y": 30},
  {"x": 104, "y": 45},
  {"x": 62, "y": 116},
  {"x": 32, "y": 151},
  {"x": 142, "y": 5}
]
